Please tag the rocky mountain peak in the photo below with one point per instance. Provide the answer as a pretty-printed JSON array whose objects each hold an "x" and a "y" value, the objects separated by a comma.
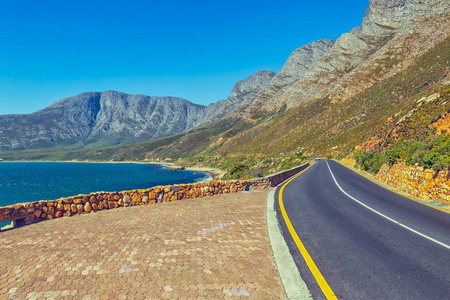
[
  {"x": 243, "y": 91},
  {"x": 384, "y": 24},
  {"x": 299, "y": 62},
  {"x": 296, "y": 67},
  {"x": 384, "y": 15},
  {"x": 255, "y": 82}
]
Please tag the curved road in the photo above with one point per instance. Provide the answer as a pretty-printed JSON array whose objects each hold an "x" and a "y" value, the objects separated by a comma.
[{"x": 367, "y": 242}]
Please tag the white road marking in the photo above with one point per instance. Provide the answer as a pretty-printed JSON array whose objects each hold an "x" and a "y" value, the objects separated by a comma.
[{"x": 384, "y": 216}]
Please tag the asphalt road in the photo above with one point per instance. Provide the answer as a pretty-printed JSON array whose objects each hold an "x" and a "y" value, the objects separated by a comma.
[{"x": 392, "y": 248}]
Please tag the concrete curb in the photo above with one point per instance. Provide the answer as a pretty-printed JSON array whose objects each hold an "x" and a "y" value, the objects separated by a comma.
[{"x": 293, "y": 284}]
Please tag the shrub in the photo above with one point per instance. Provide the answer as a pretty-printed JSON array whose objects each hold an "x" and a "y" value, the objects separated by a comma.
[
  {"x": 430, "y": 159},
  {"x": 236, "y": 169},
  {"x": 440, "y": 165}
]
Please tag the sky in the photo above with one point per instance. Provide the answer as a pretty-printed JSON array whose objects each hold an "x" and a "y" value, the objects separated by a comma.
[{"x": 196, "y": 49}]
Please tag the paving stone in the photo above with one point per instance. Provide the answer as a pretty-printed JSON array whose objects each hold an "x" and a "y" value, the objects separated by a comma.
[{"x": 206, "y": 248}]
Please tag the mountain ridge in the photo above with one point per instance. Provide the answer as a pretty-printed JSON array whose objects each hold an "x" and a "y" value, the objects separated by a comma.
[
  {"x": 99, "y": 119},
  {"x": 330, "y": 74}
]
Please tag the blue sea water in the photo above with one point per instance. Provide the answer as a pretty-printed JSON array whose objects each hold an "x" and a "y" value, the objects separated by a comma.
[{"x": 33, "y": 181}]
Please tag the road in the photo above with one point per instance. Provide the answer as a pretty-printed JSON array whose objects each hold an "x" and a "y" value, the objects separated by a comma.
[{"x": 365, "y": 241}]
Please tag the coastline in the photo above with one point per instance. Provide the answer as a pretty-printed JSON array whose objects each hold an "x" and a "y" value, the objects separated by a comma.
[
  {"x": 214, "y": 174},
  {"x": 208, "y": 173}
]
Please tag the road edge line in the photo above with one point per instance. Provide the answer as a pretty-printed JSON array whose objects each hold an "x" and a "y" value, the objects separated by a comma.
[
  {"x": 394, "y": 189},
  {"x": 294, "y": 285},
  {"x": 327, "y": 291}
]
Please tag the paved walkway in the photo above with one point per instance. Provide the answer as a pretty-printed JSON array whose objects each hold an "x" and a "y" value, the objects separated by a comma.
[{"x": 207, "y": 248}]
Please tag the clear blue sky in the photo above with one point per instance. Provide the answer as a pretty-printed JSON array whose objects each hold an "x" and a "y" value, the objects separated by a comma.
[{"x": 197, "y": 50}]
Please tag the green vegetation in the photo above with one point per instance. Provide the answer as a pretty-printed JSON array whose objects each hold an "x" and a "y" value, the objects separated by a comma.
[
  {"x": 244, "y": 166},
  {"x": 412, "y": 139},
  {"x": 430, "y": 154}
]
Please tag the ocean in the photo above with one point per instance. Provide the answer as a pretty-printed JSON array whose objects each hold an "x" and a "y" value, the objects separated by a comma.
[{"x": 34, "y": 181}]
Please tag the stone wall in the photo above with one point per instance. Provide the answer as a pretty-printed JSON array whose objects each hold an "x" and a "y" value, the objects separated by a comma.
[
  {"x": 425, "y": 184},
  {"x": 32, "y": 212},
  {"x": 414, "y": 180}
]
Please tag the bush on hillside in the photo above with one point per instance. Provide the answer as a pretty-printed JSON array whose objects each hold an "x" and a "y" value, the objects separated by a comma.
[{"x": 430, "y": 154}]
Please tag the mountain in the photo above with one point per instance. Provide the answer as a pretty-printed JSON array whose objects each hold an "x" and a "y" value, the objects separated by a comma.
[
  {"x": 111, "y": 118},
  {"x": 396, "y": 30},
  {"x": 98, "y": 119},
  {"x": 330, "y": 99},
  {"x": 294, "y": 69},
  {"x": 243, "y": 91}
]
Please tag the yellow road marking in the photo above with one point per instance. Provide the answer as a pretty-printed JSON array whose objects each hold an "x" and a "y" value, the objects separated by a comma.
[
  {"x": 393, "y": 189},
  {"x": 328, "y": 292}
]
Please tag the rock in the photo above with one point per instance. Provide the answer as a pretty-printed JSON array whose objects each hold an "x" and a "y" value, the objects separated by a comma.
[
  {"x": 60, "y": 207},
  {"x": 94, "y": 207},
  {"x": 67, "y": 207},
  {"x": 37, "y": 213},
  {"x": 126, "y": 199},
  {"x": 80, "y": 208},
  {"x": 73, "y": 208},
  {"x": 421, "y": 100},
  {"x": 93, "y": 199},
  {"x": 58, "y": 214},
  {"x": 145, "y": 199},
  {"x": 152, "y": 195},
  {"x": 136, "y": 197},
  {"x": 433, "y": 97},
  {"x": 87, "y": 207}
]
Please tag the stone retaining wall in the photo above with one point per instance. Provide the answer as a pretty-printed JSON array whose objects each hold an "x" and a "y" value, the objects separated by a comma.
[
  {"x": 414, "y": 180},
  {"x": 37, "y": 211},
  {"x": 417, "y": 181}
]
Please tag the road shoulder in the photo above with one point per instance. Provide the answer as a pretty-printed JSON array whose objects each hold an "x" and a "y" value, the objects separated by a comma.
[{"x": 293, "y": 284}]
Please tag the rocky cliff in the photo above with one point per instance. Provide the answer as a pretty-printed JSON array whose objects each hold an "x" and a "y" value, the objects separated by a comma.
[
  {"x": 111, "y": 118},
  {"x": 243, "y": 91},
  {"x": 294, "y": 69},
  {"x": 393, "y": 30}
]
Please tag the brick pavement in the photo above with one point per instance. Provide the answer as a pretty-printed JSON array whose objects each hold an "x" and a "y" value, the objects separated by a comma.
[{"x": 206, "y": 248}]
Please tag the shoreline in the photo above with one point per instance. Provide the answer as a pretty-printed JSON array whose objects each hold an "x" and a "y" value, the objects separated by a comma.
[{"x": 214, "y": 174}]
